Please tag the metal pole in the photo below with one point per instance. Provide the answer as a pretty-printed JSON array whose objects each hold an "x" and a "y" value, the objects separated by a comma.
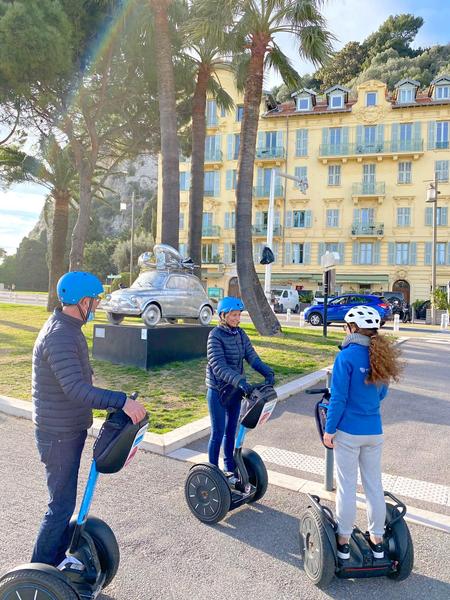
[
  {"x": 132, "y": 238},
  {"x": 269, "y": 240},
  {"x": 434, "y": 248},
  {"x": 329, "y": 456},
  {"x": 326, "y": 279}
]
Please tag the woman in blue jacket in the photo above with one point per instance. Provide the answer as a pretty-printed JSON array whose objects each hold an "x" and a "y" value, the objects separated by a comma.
[
  {"x": 228, "y": 347},
  {"x": 361, "y": 374}
]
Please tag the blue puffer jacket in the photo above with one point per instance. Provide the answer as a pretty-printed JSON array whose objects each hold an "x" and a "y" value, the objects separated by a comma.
[
  {"x": 62, "y": 390},
  {"x": 227, "y": 348}
]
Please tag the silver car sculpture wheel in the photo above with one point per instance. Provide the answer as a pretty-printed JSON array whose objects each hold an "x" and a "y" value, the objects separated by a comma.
[
  {"x": 205, "y": 315},
  {"x": 151, "y": 315}
]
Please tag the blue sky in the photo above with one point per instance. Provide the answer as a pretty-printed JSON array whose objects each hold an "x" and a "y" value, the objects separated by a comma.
[{"x": 347, "y": 19}]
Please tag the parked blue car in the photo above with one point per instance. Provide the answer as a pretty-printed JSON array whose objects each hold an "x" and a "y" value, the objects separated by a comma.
[{"x": 337, "y": 307}]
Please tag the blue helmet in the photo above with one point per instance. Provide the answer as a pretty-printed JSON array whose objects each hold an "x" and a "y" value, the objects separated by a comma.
[
  {"x": 74, "y": 286},
  {"x": 228, "y": 304}
]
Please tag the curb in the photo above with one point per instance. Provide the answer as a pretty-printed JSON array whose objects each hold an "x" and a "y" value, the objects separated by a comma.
[{"x": 166, "y": 443}]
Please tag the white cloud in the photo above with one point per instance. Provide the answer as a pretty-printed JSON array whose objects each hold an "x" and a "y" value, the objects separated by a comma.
[{"x": 19, "y": 211}]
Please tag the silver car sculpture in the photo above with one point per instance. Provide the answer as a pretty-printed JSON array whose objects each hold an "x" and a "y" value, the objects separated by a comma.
[{"x": 166, "y": 289}]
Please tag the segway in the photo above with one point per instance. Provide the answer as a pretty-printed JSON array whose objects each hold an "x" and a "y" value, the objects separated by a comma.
[
  {"x": 210, "y": 494},
  {"x": 318, "y": 531},
  {"x": 93, "y": 542}
]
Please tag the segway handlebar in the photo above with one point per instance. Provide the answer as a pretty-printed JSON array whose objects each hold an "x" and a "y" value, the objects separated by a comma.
[{"x": 318, "y": 391}]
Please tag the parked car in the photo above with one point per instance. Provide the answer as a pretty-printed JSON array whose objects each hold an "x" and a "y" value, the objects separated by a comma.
[
  {"x": 399, "y": 305},
  {"x": 168, "y": 290},
  {"x": 284, "y": 299},
  {"x": 337, "y": 308}
]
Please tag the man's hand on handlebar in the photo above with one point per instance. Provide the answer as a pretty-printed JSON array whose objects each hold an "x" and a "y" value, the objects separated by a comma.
[
  {"x": 134, "y": 409},
  {"x": 246, "y": 387}
]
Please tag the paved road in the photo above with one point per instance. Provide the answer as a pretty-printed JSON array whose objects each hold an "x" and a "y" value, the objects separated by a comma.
[{"x": 168, "y": 555}]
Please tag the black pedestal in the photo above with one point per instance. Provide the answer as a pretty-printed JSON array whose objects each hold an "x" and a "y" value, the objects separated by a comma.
[{"x": 145, "y": 348}]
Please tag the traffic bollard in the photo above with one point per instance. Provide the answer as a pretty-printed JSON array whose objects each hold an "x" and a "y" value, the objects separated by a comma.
[
  {"x": 444, "y": 320},
  {"x": 329, "y": 456},
  {"x": 396, "y": 323},
  {"x": 302, "y": 319},
  {"x": 288, "y": 315}
]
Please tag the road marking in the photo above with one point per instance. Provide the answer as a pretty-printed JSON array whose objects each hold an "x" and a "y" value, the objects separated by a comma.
[
  {"x": 438, "y": 341},
  {"x": 417, "y": 516},
  {"x": 404, "y": 486}
]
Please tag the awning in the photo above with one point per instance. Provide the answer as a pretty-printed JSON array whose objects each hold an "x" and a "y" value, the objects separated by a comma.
[{"x": 340, "y": 277}]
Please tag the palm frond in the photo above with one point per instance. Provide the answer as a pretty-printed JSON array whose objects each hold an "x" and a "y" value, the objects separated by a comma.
[
  {"x": 315, "y": 44},
  {"x": 281, "y": 63},
  {"x": 240, "y": 65},
  {"x": 222, "y": 97}
]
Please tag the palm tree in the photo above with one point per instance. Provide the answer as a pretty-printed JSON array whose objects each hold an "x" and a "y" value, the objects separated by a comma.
[
  {"x": 252, "y": 25},
  {"x": 208, "y": 58},
  {"x": 170, "y": 150},
  {"x": 54, "y": 170}
]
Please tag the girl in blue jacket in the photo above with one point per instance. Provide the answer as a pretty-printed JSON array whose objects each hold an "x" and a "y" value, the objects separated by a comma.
[
  {"x": 361, "y": 374},
  {"x": 228, "y": 347}
]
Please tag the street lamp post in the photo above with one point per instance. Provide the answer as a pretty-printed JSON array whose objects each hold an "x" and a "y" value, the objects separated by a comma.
[
  {"x": 303, "y": 184},
  {"x": 432, "y": 197}
]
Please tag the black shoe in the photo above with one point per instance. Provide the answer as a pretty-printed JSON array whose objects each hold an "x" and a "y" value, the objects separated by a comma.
[
  {"x": 377, "y": 549},
  {"x": 343, "y": 551}
]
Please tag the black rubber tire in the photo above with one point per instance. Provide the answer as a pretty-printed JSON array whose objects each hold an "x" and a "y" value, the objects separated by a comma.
[
  {"x": 404, "y": 549},
  {"x": 318, "y": 557},
  {"x": 207, "y": 494},
  {"x": 172, "y": 321},
  {"x": 317, "y": 318},
  {"x": 115, "y": 318},
  {"x": 106, "y": 545},
  {"x": 257, "y": 473},
  {"x": 26, "y": 582},
  {"x": 297, "y": 309},
  {"x": 152, "y": 315}
]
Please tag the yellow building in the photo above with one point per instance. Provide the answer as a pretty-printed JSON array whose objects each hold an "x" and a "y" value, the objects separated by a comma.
[{"x": 367, "y": 160}]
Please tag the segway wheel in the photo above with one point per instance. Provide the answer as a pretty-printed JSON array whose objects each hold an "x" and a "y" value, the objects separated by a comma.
[
  {"x": 400, "y": 545},
  {"x": 106, "y": 545},
  {"x": 207, "y": 494},
  {"x": 257, "y": 473},
  {"x": 32, "y": 584},
  {"x": 318, "y": 557}
]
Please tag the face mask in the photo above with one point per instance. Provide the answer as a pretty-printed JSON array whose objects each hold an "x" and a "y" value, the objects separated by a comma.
[{"x": 91, "y": 316}]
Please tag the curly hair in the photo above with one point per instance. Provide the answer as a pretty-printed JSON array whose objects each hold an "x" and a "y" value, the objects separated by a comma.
[{"x": 384, "y": 357}]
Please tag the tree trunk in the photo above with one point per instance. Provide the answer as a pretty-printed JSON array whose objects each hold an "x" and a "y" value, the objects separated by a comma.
[
  {"x": 80, "y": 230},
  {"x": 252, "y": 293},
  {"x": 198, "y": 168},
  {"x": 60, "y": 223},
  {"x": 170, "y": 151}
]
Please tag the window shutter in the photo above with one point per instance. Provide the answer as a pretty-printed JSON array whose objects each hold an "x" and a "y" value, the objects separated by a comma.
[
  {"x": 287, "y": 253},
  {"x": 356, "y": 215},
  {"x": 215, "y": 250},
  {"x": 412, "y": 253},
  {"x": 229, "y": 179},
  {"x": 376, "y": 253},
  {"x": 394, "y": 136},
  {"x": 391, "y": 253},
  {"x": 431, "y": 135},
  {"x": 355, "y": 256},
  {"x": 428, "y": 215},
  {"x": 230, "y": 146},
  {"x": 216, "y": 184},
  {"x": 359, "y": 136},
  {"x": 188, "y": 180},
  {"x": 181, "y": 220},
  {"x": 325, "y": 135},
  {"x": 260, "y": 139},
  {"x": 218, "y": 142},
  {"x": 448, "y": 253},
  {"x": 428, "y": 249},
  {"x": 227, "y": 253},
  {"x": 345, "y": 138},
  {"x": 308, "y": 218},
  {"x": 276, "y": 220},
  {"x": 341, "y": 250},
  {"x": 227, "y": 220},
  {"x": 417, "y": 131},
  {"x": 307, "y": 253},
  {"x": 444, "y": 213},
  {"x": 260, "y": 177},
  {"x": 380, "y": 138},
  {"x": 259, "y": 218},
  {"x": 279, "y": 138},
  {"x": 275, "y": 250},
  {"x": 320, "y": 251},
  {"x": 371, "y": 213},
  {"x": 289, "y": 217}
]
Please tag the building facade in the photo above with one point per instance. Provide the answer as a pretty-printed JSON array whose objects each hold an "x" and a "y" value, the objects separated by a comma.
[{"x": 367, "y": 160}]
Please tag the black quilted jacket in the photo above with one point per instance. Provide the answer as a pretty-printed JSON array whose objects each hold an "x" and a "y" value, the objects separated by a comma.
[
  {"x": 226, "y": 350},
  {"x": 62, "y": 390}
]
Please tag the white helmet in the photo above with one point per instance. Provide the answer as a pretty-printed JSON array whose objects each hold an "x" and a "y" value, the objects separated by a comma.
[{"x": 365, "y": 317}]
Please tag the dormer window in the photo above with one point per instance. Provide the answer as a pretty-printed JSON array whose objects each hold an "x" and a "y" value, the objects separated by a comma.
[
  {"x": 442, "y": 92},
  {"x": 371, "y": 99},
  {"x": 405, "y": 91},
  {"x": 405, "y": 96},
  {"x": 336, "y": 101},
  {"x": 304, "y": 103}
]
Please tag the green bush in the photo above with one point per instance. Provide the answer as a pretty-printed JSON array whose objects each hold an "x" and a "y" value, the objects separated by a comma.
[{"x": 440, "y": 300}]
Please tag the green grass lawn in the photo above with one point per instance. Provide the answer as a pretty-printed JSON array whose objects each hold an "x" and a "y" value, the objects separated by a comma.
[{"x": 175, "y": 393}]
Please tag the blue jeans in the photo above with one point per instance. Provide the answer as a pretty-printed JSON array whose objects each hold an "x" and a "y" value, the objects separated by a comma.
[
  {"x": 61, "y": 454},
  {"x": 223, "y": 428}
]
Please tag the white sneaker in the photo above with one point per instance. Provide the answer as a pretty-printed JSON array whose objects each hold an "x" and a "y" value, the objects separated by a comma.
[
  {"x": 231, "y": 477},
  {"x": 70, "y": 562}
]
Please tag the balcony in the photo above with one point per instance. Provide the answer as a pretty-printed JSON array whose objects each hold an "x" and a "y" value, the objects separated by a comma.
[
  {"x": 358, "y": 151},
  {"x": 442, "y": 145},
  {"x": 367, "y": 230},
  {"x": 214, "y": 157},
  {"x": 212, "y": 231},
  {"x": 211, "y": 193},
  {"x": 271, "y": 153},
  {"x": 212, "y": 260},
  {"x": 263, "y": 191},
  {"x": 261, "y": 230},
  {"x": 370, "y": 188}
]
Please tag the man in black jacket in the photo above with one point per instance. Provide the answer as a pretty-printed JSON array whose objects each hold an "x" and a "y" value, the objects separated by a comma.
[{"x": 63, "y": 399}]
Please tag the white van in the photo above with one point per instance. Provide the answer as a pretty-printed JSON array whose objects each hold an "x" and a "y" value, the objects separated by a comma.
[{"x": 284, "y": 299}]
